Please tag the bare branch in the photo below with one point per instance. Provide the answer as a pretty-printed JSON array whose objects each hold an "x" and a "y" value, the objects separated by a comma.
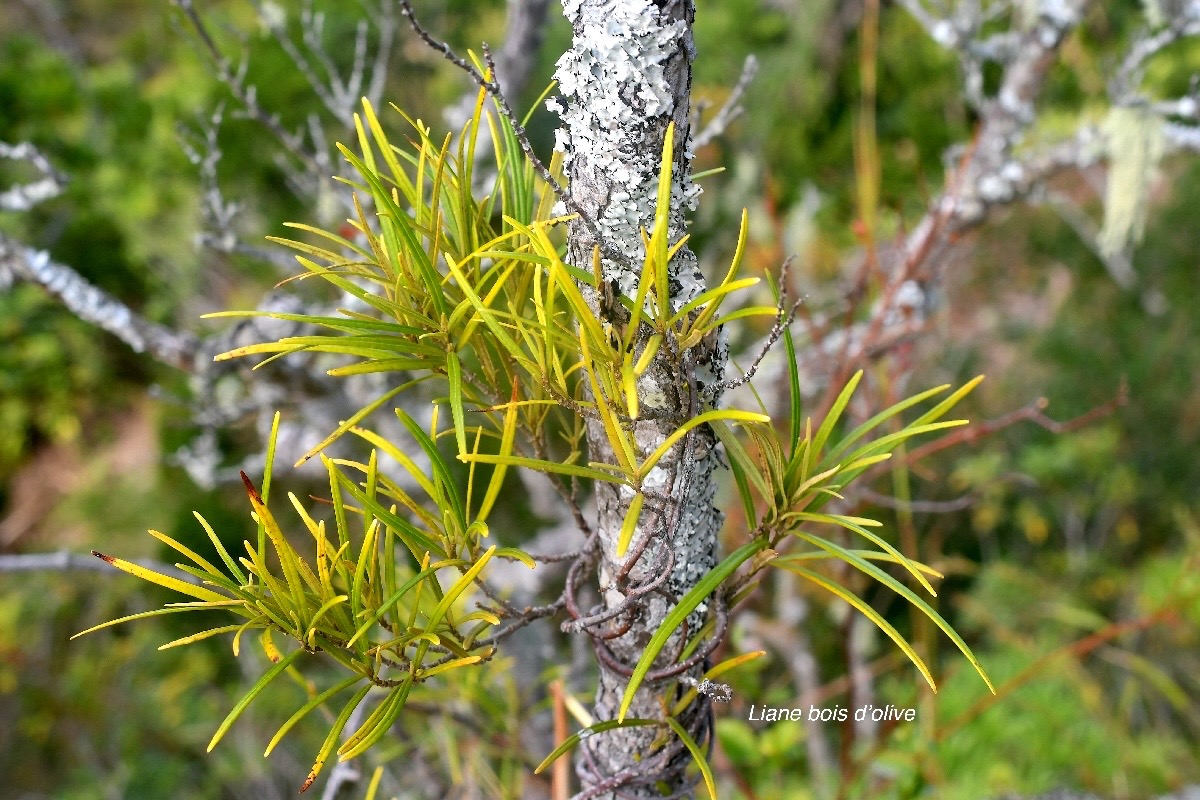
[
  {"x": 1183, "y": 138},
  {"x": 783, "y": 321},
  {"x": 66, "y": 561},
  {"x": 1034, "y": 412},
  {"x": 731, "y": 109},
  {"x": 93, "y": 305},
  {"x": 218, "y": 214},
  {"x": 23, "y": 197},
  {"x": 246, "y": 94},
  {"x": 919, "y": 506}
]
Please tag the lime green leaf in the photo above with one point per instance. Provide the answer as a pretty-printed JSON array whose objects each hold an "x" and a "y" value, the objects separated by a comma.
[
  {"x": 571, "y": 741},
  {"x": 909, "y": 595},
  {"x": 356, "y": 418},
  {"x": 174, "y": 545},
  {"x": 707, "y": 416},
  {"x": 454, "y": 377},
  {"x": 228, "y": 559},
  {"x": 865, "y": 608},
  {"x": 831, "y": 419},
  {"x": 142, "y": 615},
  {"x": 254, "y": 692},
  {"x": 378, "y": 723},
  {"x": 697, "y": 754},
  {"x": 679, "y": 613},
  {"x": 165, "y": 581},
  {"x": 196, "y": 637},
  {"x": 320, "y": 699},
  {"x": 332, "y": 737},
  {"x": 630, "y": 524},
  {"x": 543, "y": 466},
  {"x": 459, "y": 587}
]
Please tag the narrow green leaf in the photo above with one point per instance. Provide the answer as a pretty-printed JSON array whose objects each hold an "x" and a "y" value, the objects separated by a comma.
[
  {"x": 396, "y": 596},
  {"x": 455, "y": 663},
  {"x": 196, "y": 637},
  {"x": 795, "y": 399},
  {"x": 707, "y": 416},
  {"x": 871, "y": 614},
  {"x": 544, "y": 466},
  {"x": 855, "y": 524},
  {"x": 870, "y": 555},
  {"x": 234, "y": 569},
  {"x": 454, "y": 377},
  {"x": 254, "y": 692},
  {"x": 506, "y": 448},
  {"x": 303, "y": 711},
  {"x": 459, "y": 587},
  {"x": 629, "y": 525},
  {"x": 679, "y": 613},
  {"x": 662, "y": 217},
  {"x": 204, "y": 564},
  {"x": 880, "y": 418},
  {"x": 439, "y": 465},
  {"x": 912, "y": 597},
  {"x": 165, "y": 581},
  {"x": 417, "y": 541},
  {"x": 356, "y": 418},
  {"x": 574, "y": 739},
  {"x": 378, "y": 723},
  {"x": 831, "y": 419},
  {"x": 331, "y": 738},
  {"x": 142, "y": 615},
  {"x": 697, "y": 754}
]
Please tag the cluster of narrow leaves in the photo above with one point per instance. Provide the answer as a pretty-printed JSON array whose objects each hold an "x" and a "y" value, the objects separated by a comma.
[
  {"x": 379, "y": 602},
  {"x": 783, "y": 493},
  {"x": 791, "y": 488},
  {"x": 474, "y": 297},
  {"x": 494, "y": 311}
]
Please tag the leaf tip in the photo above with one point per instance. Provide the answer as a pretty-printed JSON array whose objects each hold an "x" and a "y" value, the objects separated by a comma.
[
  {"x": 255, "y": 497},
  {"x": 312, "y": 776},
  {"x": 102, "y": 557}
]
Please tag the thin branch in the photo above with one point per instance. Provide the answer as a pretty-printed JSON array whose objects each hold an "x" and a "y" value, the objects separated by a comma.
[
  {"x": 66, "y": 561},
  {"x": 782, "y": 322},
  {"x": 731, "y": 109},
  {"x": 93, "y": 305},
  {"x": 1034, "y": 412},
  {"x": 23, "y": 197},
  {"x": 245, "y": 94},
  {"x": 919, "y": 506},
  {"x": 200, "y": 146}
]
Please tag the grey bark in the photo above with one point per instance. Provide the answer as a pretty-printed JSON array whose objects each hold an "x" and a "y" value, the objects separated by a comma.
[
  {"x": 627, "y": 76},
  {"x": 21, "y": 263}
]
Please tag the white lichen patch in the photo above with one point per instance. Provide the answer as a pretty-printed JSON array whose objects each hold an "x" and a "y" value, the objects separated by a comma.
[
  {"x": 656, "y": 479},
  {"x": 617, "y": 94}
]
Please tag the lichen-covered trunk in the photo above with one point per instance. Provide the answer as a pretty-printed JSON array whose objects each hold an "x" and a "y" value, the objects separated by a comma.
[{"x": 627, "y": 76}]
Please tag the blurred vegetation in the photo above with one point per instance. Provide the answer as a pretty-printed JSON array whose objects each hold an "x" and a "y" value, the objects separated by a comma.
[{"x": 1070, "y": 536}]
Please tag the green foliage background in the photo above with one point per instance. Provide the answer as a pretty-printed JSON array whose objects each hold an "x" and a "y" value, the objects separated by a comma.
[{"x": 1070, "y": 533}]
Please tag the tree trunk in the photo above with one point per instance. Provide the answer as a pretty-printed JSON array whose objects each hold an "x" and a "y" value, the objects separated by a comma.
[{"x": 627, "y": 76}]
